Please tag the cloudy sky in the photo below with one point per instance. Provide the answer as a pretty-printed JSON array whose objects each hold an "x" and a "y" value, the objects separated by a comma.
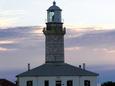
[
  {"x": 80, "y": 13},
  {"x": 90, "y": 35},
  {"x": 22, "y": 45}
]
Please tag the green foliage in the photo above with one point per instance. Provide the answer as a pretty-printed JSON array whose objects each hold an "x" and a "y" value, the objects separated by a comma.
[{"x": 109, "y": 83}]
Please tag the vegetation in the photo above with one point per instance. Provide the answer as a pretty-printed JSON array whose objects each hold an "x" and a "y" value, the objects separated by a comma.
[{"x": 109, "y": 83}]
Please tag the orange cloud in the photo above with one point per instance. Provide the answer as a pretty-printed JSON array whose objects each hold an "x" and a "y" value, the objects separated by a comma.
[{"x": 38, "y": 30}]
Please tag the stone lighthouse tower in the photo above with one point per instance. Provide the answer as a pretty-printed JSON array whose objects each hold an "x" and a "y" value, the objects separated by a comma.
[{"x": 54, "y": 35}]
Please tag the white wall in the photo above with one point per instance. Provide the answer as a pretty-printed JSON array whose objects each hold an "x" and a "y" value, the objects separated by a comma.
[{"x": 39, "y": 81}]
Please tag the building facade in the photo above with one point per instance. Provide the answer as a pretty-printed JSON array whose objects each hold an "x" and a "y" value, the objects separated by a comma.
[
  {"x": 55, "y": 72},
  {"x": 60, "y": 81}
]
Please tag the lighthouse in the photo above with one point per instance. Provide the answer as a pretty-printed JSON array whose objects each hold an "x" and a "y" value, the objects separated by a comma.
[
  {"x": 55, "y": 71},
  {"x": 54, "y": 36}
]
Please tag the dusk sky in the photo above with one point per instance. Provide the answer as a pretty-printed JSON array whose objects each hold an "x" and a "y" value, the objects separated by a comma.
[
  {"x": 90, "y": 35},
  {"x": 80, "y": 13}
]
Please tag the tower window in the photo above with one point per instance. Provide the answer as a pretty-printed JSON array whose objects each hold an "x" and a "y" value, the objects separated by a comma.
[
  {"x": 51, "y": 16},
  {"x": 87, "y": 83},
  {"x": 29, "y": 83},
  {"x": 69, "y": 83},
  {"x": 46, "y": 83},
  {"x": 58, "y": 83}
]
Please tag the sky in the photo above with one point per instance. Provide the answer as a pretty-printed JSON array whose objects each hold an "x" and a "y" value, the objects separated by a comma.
[
  {"x": 80, "y": 13},
  {"x": 22, "y": 45},
  {"x": 89, "y": 39}
]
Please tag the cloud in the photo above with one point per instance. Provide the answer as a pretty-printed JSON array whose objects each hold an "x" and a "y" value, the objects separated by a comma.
[
  {"x": 8, "y": 45},
  {"x": 15, "y": 32},
  {"x": 37, "y": 32},
  {"x": 105, "y": 50},
  {"x": 6, "y": 42},
  {"x": 10, "y": 17},
  {"x": 22, "y": 45},
  {"x": 21, "y": 38},
  {"x": 11, "y": 13},
  {"x": 72, "y": 48},
  {"x": 5, "y": 22},
  {"x": 5, "y": 49},
  {"x": 94, "y": 38}
]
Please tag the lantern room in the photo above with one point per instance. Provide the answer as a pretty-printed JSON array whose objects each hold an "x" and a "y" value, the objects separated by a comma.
[{"x": 54, "y": 14}]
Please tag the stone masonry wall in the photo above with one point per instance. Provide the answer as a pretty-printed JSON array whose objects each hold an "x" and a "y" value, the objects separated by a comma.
[{"x": 54, "y": 48}]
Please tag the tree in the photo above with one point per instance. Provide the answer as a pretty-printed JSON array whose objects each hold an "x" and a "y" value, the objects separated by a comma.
[{"x": 109, "y": 83}]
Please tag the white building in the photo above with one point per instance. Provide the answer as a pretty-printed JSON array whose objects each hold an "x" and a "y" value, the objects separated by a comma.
[{"x": 55, "y": 72}]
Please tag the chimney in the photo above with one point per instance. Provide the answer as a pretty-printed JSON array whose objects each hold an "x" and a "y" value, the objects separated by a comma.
[
  {"x": 28, "y": 66},
  {"x": 80, "y": 66},
  {"x": 83, "y": 66}
]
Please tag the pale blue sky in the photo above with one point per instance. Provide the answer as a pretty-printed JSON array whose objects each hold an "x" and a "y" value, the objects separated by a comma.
[{"x": 80, "y": 13}]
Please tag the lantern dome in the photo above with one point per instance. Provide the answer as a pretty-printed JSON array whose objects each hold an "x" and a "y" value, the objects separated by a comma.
[{"x": 54, "y": 7}]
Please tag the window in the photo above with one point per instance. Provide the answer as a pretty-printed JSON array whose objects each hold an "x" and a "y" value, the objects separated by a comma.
[
  {"x": 46, "y": 83},
  {"x": 29, "y": 83},
  {"x": 58, "y": 83},
  {"x": 87, "y": 83},
  {"x": 69, "y": 83},
  {"x": 51, "y": 16}
]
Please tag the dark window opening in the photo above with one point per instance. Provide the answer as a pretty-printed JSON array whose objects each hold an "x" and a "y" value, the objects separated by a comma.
[
  {"x": 29, "y": 83},
  {"x": 69, "y": 83},
  {"x": 87, "y": 83},
  {"x": 58, "y": 83},
  {"x": 46, "y": 83}
]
